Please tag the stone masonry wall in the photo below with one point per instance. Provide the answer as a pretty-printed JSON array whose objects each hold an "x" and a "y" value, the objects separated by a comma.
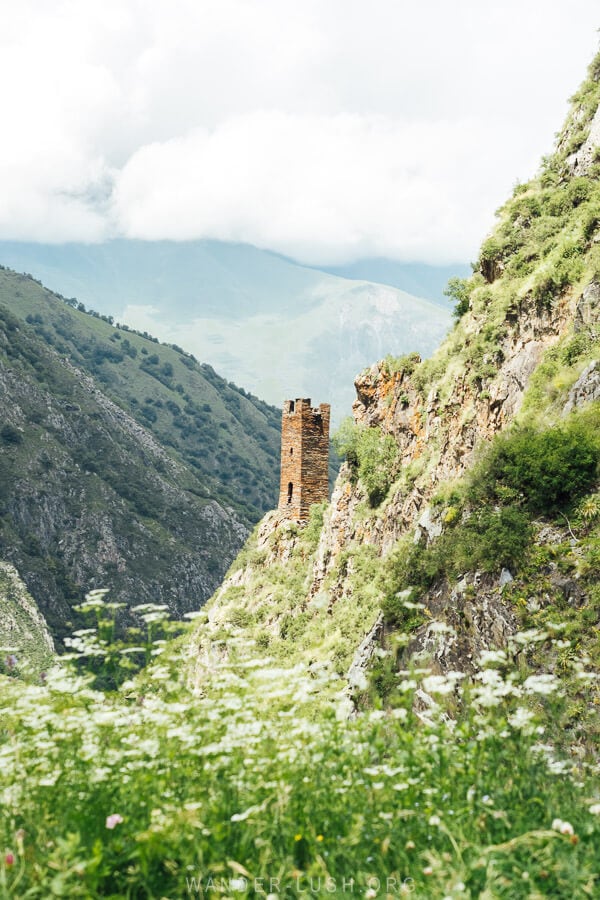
[{"x": 304, "y": 457}]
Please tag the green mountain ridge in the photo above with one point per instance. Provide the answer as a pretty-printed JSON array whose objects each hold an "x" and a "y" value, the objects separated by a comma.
[
  {"x": 229, "y": 437},
  {"x": 121, "y": 460}
]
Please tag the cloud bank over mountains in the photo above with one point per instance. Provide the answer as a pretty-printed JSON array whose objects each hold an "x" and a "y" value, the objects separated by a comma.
[{"x": 327, "y": 132}]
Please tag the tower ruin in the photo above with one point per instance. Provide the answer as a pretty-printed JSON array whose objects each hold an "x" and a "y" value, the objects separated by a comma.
[{"x": 304, "y": 457}]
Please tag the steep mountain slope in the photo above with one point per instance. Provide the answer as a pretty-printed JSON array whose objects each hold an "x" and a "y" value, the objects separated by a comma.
[
  {"x": 469, "y": 534},
  {"x": 89, "y": 497},
  {"x": 230, "y": 439},
  {"x": 27, "y": 648},
  {"x": 236, "y": 307}
]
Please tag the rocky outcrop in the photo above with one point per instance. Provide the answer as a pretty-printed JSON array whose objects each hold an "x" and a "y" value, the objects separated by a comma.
[
  {"x": 463, "y": 622},
  {"x": 580, "y": 163},
  {"x": 437, "y": 434},
  {"x": 365, "y": 651},
  {"x": 26, "y": 643},
  {"x": 586, "y": 388},
  {"x": 587, "y": 311}
]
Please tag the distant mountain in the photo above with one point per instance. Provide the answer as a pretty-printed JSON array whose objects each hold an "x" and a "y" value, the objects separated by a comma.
[
  {"x": 415, "y": 278},
  {"x": 124, "y": 463},
  {"x": 278, "y": 328}
]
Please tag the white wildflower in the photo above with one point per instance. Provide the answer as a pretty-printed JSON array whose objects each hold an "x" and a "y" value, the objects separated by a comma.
[
  {"x": 159, "y": 673},
  {"x": 493, "y": 688},
  {"x": 442, "y": 684},
  {"x": 359, "y": 680},
  {"x": 489, "y": 657},
  {"x": 241, "y": 817},
  {"x": 531, "y": 636},
  {"x": 563, "y": 827},
  {"x": 544, "y": 684},
  {"x": 521, "y": 717}
]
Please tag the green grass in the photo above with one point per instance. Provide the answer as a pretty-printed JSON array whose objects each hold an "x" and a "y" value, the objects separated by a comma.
[{"x": 155, "y": 792}]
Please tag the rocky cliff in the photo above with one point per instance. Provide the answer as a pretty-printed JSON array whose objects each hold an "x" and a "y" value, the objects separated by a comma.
[
  {"x": 26, "y": 647},
  {"x": 465, "y": 543},
  {"x": 89, "y": 498}
]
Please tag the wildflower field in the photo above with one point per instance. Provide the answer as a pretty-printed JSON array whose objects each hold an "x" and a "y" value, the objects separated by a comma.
[{"x": 261, "y": 784}]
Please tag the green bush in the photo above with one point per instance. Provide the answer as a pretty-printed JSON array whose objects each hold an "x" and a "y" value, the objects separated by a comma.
[
  {"x": 406, "y": 363},
  {"x": 488, "y": 539},
  {"x": 372, "y": 454},
  {"x": 548, "y": 468},
  {"x": 459, "y": 290},
  {"x": 10, "y": 435}
]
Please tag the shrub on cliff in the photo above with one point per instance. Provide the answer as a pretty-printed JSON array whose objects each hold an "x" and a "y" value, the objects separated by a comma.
[
  {"x": 371, "y": 454},
  {"x": 547, "y": 469},
  {"x": 459, "y": 290},
  {"x": 487, "y": 539}
]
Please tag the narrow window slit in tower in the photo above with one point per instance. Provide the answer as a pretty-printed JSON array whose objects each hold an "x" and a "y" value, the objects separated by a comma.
[{"x": 290, "y": 491}]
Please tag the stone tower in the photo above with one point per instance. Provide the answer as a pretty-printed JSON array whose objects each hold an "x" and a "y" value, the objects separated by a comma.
[{"x": 304, "y": 457}]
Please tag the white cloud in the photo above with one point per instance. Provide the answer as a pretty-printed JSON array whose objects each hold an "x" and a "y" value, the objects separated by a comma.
[
  {"x": 320, "y": 188},
  {"x": 326, "y": 131}
]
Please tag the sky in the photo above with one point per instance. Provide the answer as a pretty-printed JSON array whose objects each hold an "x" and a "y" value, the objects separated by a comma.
[{"x": 326, "y": 130}]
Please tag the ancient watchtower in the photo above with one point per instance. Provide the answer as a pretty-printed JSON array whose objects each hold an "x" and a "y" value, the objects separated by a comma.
[{"x": 304, "y": 457}]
